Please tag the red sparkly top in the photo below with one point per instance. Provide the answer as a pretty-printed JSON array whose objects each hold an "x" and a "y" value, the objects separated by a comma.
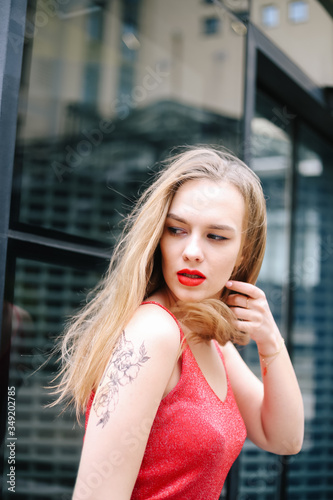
[{"x": 194, "y": 440}]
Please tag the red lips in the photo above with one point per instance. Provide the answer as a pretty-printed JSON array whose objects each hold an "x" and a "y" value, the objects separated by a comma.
[{"x": 190, "y": 277}]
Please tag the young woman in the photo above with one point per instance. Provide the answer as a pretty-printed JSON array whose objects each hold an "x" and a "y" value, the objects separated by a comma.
[{"x": 169, "y": 400}]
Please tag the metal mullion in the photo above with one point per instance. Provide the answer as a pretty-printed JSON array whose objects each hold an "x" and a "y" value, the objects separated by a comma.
[
  {"x": 11, "y": 50},
  {"x": 45, "y": 242},
  {"x": 56, "y": 256},
  {"x": 289, "y": 308},
  {"x": 249, "y": 93},
  {"x": 12, "y": 28}
]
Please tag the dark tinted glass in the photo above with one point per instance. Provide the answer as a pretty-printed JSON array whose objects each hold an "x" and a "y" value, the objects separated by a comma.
[
  {"x": 46, "y": 444},
  {"x": 311, "y": 472}
]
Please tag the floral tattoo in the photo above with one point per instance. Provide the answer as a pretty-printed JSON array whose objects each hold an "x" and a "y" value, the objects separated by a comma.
[{"x": 122, "y": 369}]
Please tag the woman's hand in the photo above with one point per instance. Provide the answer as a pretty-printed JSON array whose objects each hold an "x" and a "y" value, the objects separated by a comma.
[
  {"x": 253, "y": 315},
  {"x": 272, "y": 410}
]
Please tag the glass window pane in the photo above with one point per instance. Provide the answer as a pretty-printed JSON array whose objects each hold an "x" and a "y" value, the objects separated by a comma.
[
  {"x": 270, "y": 16},
  {"x": 47, "y": 444},
  {"x": 298, "y": 12},
  {"x": 310, "y": 472},
  {"x": 107, "y": 90},
  {"x": 211, "y": 25}
]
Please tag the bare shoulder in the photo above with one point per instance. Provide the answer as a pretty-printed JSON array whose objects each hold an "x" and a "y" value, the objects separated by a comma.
[
  {"x": 151, "y": 336},
  {"x": 143, "y": 358},
  {"x": 157, "y": 329}
]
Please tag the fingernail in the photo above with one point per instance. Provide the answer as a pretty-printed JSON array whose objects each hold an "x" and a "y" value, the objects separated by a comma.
[{"x": 229, "y": 283}]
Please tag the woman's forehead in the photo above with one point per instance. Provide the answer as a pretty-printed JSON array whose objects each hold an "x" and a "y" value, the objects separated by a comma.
[
  {"x": 201, "y": 194},
  {"x": 209, "y": 202}
]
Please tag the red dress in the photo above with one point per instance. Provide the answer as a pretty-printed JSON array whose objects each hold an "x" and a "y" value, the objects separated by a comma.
[{"x": 194, "y": 439}]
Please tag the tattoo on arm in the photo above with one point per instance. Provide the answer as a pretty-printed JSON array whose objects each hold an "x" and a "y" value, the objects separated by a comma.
[{"x": 122, "y": 369}]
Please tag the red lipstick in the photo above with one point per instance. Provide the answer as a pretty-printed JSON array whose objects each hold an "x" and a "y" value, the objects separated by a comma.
[{"x": 190, "y": 277}]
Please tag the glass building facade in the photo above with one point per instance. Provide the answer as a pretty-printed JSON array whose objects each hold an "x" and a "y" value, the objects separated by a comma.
[{"x": 93, "y": 95}]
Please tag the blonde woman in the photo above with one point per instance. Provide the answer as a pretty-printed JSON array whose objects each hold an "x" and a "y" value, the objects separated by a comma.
[{"x": 168, "y": 399}]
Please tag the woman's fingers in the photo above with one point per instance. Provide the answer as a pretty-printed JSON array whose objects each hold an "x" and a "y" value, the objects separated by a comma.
[
  {"x": 245, "y": 289},
  {"x": 241, "y": 313},
  {"x": 237, "y": 300},
  {"x": 251, "y": 310}
]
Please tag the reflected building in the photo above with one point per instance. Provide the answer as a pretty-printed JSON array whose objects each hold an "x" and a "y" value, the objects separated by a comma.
[{"x": 111, "y": 88}]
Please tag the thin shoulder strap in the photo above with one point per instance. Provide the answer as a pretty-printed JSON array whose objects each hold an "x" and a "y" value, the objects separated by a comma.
[{"x": 219, "y": 350}]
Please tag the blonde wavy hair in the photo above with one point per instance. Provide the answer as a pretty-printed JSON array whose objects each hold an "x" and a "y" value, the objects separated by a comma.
[{"x": 135, "y": 272}]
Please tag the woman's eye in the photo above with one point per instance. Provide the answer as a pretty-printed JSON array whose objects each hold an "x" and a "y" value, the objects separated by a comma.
[
  {"x": 216, "y": 237},
  {"x": 175, "y": 230}
]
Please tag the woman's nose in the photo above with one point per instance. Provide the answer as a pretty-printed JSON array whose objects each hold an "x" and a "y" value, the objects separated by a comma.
[{"x": 193, "y": 250}]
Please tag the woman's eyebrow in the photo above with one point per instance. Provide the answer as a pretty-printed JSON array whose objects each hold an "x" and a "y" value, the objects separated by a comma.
[{"x": 221, "y": 227}]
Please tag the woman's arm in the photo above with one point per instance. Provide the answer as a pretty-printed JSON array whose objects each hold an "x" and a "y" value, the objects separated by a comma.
[
  {"x": 273, "y": 409},
  {"x": 125, "y": 405}
]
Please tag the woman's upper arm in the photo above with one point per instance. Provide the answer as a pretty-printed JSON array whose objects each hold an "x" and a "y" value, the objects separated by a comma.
[
  {"x": 125, "y": 405},
  {"x": 248, "y": 391}
]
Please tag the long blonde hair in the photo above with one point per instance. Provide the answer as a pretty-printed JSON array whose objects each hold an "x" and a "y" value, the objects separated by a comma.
[{"x": 135, "y": 271}]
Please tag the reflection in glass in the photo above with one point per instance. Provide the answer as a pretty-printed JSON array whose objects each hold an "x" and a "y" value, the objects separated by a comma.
[
  {"x": 107, "y": 89},
  {"x": 298, "y": 11},
  {"x": 310, "y": 473},
  {"x": 270, "y": 16},
  {"x": 48, "y": 446},
  {"x": 300, "y": 29}
]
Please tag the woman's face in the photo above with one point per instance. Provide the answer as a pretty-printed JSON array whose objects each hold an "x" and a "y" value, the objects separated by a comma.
[{"x": 201, "y": 240}]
